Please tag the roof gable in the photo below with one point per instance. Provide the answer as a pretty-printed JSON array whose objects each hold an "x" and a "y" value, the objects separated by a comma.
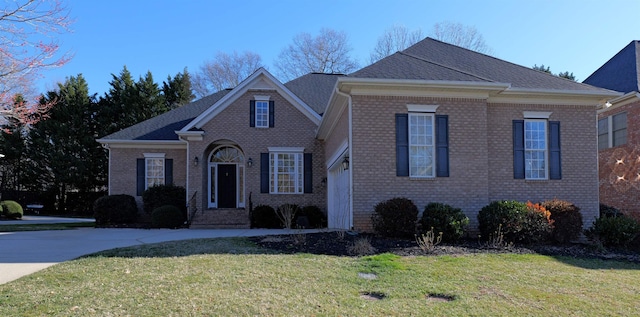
[
  {"x": 621, "y": 72},
  {"x": 260, "y": 79}
]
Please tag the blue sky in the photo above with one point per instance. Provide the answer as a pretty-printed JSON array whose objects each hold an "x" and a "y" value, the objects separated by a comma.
[{"x": 165, "y": 36}]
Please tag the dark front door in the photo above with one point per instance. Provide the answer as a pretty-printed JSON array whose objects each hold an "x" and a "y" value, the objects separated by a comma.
[{"x": 227, "y": 186}]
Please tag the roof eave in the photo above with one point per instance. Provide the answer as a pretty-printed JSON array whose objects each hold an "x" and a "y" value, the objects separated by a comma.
[{"x": 113, "y": 143}]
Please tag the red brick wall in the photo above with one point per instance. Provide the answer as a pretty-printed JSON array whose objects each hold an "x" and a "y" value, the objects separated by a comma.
[
  {"x": 291, "y": 129},
  {"x": 619, "y": 167},
  {"x": 480, "y": 157},
  {"x": 122, "y": 168},
  {"x": 579, "y": 183}
]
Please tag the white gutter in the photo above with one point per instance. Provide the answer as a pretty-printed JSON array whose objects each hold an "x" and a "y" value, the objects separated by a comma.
[{"x": 349, "y": 142}]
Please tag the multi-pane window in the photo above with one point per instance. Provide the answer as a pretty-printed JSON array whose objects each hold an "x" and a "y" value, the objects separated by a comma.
[
  {"x": 619, "y": 129},
  {"x": 262, "y": 114},
  {"x": 286, "y": 173},
  {"x": 154, "y": 171},
  {"x": 535, "y": 149},
  {"x": 421, "y": 132},
  {"x": 612, "y": 131},
  {"x": 603, "y": 133}
]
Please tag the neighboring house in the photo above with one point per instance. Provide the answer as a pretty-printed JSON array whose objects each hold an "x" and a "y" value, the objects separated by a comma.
[
  {"x": 433, "y": 123},
  {"x": 619, "y": 129}
]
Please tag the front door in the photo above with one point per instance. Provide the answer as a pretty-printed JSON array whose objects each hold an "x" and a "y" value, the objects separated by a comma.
[{"x": 227, "y": 186}]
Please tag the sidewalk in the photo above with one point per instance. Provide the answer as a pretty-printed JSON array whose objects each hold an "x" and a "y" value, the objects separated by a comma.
[{"x": 32, "y": 220}]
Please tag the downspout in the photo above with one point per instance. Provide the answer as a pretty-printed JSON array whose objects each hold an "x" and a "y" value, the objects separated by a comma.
[{"x": 350, "y": 150}]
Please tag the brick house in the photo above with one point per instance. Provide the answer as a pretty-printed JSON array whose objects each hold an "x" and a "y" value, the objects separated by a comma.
[
  {"x": 433, "y": 123},
  {"x": 619, "y": 130}
]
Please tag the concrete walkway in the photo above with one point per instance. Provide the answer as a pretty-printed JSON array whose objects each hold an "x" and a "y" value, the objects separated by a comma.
[{"x": 26, "y": 252}]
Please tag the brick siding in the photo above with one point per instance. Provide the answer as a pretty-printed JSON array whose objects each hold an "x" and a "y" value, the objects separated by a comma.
[{"x": 622, "y": 161}]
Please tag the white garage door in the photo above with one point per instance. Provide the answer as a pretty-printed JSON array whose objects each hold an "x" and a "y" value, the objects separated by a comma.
[{"x": 339, "y": 198}]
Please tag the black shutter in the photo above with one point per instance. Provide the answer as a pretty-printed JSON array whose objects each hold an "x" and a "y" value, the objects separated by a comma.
[
  {"x": 308, "y": 174},
  {"x": 402, "y": 144},
  {"x": 252, "y": 113},
  {"x": 442, "y": 146},
  {"x": 518, "y": 149},
  {"x": 271, "y": 112},
  {"x": 140, "y": 177},
  {"x": 264, "y": 173},
  {"x": 555, "y": 168},
  {"x": 168, "y": 171}
]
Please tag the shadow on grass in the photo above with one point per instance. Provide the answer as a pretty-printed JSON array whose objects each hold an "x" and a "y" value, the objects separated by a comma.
[{"x": 329, "y": 243}]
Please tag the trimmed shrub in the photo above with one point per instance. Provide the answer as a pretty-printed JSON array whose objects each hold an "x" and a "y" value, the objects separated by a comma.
[
  {"x": 162, "y": 195},
  {"x": 315, "y": 218},
  {"x": 609, "y": 211},
  {"x": 614, "y": 231},
  {"x": 264, "y": 216},
  {"x": 520, "y": 222},
  {"x": 446, "y": 219},
  {"x": 395, "y": 217},
  {"x": 115, "y": 209},
  {"x": 167, "y": 216},
  {"x": 11, "y": 209},
  {"x": 567, "y": 220}
]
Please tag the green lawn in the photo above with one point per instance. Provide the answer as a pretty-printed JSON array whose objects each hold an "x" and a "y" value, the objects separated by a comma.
[
  {"x": 41, "y": 227},
  {"x": 232, "y": 277}
]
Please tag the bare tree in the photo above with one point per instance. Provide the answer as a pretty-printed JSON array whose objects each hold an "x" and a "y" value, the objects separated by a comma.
[
  {"x": 27, "y": 47},
  {"x": 395, "y": 38},
  {"x": 326, "y": 53},
  {"x": 460, "y": 35},
  {"x": 224, "y": 71}
]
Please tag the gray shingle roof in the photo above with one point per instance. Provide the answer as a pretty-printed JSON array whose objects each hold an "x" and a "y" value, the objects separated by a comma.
[
  {"x": 431, "y": 59},
  {"x": 621, "y": 73},
  {"x": 314, "y": 89},
  {"x": 163, "y": 127}
]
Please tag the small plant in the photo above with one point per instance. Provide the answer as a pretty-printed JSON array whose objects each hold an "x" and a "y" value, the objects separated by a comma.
[
  {"x": 115, "y": 209},
  {"x": 167, "y": 217},
  {"x": 616, "y": 231},
  {"x": 428, "y": 241},
  {"x": 263, "y": 216},
  {"x": 567, "y": 220},
  {"x": 395, "y": 217},
  {"x": 341, "y": 234},
  {"x": 11, "y": 209},
  {"x": 496, "y": 240},
  {"x": 286, "y": 214},
  {"x": 445, "y": 219},
  {"x": 361, "y": 246},
  {"x": 299, "y": 237}
]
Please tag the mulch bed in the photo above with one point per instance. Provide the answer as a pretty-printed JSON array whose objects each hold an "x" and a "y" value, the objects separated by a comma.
[{"x": 331, "y": 243}]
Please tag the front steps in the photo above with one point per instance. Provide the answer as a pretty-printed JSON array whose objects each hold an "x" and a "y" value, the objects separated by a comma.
[{"x": 221, "y": 219}]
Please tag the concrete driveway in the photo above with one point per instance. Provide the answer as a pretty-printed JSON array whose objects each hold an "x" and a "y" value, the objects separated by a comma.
[{"x": 23, "y": 253}]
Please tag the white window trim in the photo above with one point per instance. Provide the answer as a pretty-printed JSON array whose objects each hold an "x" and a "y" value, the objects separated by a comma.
[
  {"x": 147, "y": 157},
  {"x": 298, "y": 169},
  {"x": 536, "y": 114},
  {"x": 422, "y": 108},
  {"x": 610, "y": 129},
  {"x": 546, "y": 148},
  {"x": 266, "y": 125},
  {"x": 433, "y": 139}
]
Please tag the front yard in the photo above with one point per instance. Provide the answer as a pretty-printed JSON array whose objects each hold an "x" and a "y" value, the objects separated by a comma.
[{"x": 234, "y": 277}]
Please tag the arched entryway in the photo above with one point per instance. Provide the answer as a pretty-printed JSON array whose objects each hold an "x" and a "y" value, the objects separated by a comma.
[{"x": 226, "y": 177}]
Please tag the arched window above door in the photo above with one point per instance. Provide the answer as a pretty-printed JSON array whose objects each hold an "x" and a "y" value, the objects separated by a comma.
[{"x": 227, "y": 154}]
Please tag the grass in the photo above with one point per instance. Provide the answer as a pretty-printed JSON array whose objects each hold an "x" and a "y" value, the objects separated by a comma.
[
  {"x": 232, "y": 277},
  {"x": 41, "y": 227}
]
